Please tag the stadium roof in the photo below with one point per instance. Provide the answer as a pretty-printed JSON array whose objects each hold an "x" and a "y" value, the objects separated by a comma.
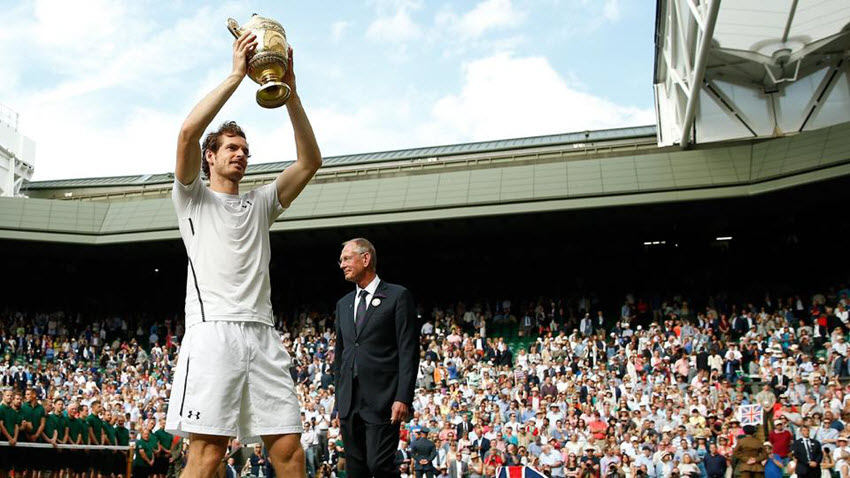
[
  {"x": 515, "y": 181},
  {"x": 750, "y": 68},
  {"x": 378, "y": 157}
]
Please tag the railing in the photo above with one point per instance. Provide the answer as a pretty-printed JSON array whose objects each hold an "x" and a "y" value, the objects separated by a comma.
[{"x": 77, "y": 448}]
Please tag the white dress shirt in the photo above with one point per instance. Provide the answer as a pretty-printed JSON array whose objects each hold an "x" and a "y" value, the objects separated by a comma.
[{"x": 370, "y": 293}]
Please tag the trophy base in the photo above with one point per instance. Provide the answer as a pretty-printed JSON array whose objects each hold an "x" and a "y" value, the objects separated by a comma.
[{"x": 273, "y": 94}]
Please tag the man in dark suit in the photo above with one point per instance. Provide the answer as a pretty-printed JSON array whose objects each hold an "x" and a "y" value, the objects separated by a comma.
[
  {"x": 808, "y": 455},
  {"x": 375, "y": 363},
  {"x": 230, "y": 470},
  {"x": 779, "y": 383},
  {"x": 464, "y": 427}
]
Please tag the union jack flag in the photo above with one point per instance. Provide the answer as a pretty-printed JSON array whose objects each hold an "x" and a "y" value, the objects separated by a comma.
[
  {"x": 750, "y": 415},
  {"x": 518, "y": 472}
]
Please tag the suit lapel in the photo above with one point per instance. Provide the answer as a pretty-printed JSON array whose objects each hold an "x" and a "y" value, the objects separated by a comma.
[
  {"x": 380, "y": 294},
  {"x": 347, "y": 316}
]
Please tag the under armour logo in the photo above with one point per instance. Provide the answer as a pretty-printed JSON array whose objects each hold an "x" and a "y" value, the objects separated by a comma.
[
  {"x": 245, "y": 206},
  {"x": 196, "y": 417}
]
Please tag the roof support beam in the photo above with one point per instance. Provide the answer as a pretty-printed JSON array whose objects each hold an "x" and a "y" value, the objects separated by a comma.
[
  {"x": 791, "y": 14},
  {"x": 699, "y": 71}
]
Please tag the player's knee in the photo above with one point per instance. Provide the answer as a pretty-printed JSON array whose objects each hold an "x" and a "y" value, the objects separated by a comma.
[
  {"x": 288, "y": 453},
  {"x": 208, "y": 456}
]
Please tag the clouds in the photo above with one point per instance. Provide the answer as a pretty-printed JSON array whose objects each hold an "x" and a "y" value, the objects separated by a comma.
[
  {"x": 500, "y": 97},
  {"x": 394, "y": 22},
  {"x": 505, "y": 97},
  {"x": 338, "y": 30},
  {"x": 103, "y": 90},
  {"x": 485, "y": 16}
]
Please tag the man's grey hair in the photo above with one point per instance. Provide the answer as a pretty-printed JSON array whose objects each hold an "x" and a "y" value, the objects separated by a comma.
[{"x": 362, "y": 246}]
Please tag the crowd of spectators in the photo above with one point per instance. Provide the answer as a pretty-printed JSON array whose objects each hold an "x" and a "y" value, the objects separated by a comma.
[{"x": 652, "y": 390}]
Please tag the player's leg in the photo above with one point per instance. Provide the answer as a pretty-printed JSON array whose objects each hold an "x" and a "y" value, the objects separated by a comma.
[
  {"x": 205, "y": 455},
  {"x": 270, "y": 407},
  {"x": 286, "y": 455}
]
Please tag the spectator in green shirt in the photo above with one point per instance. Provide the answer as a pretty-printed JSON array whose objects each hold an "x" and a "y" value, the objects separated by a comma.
[
  {"x": 167, "y": 449},
  {"x": 113, "y": 461},
  {"x": 95, "y": 425},
  {"x": 8, "y": 419},
  {"x": 32, "y": 416},
  {"x": 8, "y": 431},
  {"x": 61, "y": 420},
  {"x": 143, "y": 462},
  {"x": 19, "y": 458},
  {"x": 122, "y": 434},
  {"x": 78, "y": 431},
  {"x": 108, "y": 429},
  {"x": 122, "y": 437},
  {"x": 82, "y": 415},
  {"x": 49, "y": 434}
]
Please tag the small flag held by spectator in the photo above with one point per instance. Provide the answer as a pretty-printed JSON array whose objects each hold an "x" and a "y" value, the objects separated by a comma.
[
  {"x": 750, "y": 415},
  {"x": 518, "y": 472}
]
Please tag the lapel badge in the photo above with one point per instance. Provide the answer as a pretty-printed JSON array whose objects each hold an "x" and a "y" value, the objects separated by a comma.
[{"x": 376, "y": 302}]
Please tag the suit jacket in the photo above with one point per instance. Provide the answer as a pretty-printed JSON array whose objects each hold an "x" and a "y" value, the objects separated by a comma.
[
  {"x": 798, "y": 449},
  {"x": 779, "y": 383},
  {"x": 750, "y": 447},
  {"x": 385, "y": 345},
  {"x": 461, "y": 428},
  {"x": 231, "y": 472},
  {"x": 452, "y": 465}
]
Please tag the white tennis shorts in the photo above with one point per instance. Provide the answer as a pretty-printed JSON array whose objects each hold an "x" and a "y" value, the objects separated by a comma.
[{"x": 232, "y": 379}]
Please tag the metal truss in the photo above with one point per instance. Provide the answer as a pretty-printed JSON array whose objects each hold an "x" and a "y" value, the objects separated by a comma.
[{"x": 786, "y": 83}]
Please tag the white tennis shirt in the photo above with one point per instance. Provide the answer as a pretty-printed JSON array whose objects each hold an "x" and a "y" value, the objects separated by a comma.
[{"x": 227, "y": 241}]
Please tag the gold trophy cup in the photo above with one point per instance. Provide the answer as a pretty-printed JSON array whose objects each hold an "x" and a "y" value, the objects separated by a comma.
[{"x": 270, "y": 59}]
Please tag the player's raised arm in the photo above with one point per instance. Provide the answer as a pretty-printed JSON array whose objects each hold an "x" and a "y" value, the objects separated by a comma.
[
  {"x": 308, "y": 158},
  {"x": 188, "y": 142}
]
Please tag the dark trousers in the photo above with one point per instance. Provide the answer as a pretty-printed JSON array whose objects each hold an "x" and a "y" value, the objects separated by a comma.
[
  {"x": 369, "y": 447},
  {"x": 751, "y": 474},
  {"x": 428, "y": 473}
]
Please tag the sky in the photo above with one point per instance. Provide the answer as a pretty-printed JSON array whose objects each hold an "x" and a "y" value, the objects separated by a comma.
[{"x": 102, "y": 86}]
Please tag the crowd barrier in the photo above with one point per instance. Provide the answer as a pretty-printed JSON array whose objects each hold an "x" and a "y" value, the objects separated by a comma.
[{"x": 75, "y": 457}]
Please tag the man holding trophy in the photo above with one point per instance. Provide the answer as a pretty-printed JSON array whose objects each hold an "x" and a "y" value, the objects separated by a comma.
[{"x": 232, "y": 376}]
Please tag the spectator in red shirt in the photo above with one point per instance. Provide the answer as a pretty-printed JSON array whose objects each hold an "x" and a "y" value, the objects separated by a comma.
[{"x": 781, "y": 440}]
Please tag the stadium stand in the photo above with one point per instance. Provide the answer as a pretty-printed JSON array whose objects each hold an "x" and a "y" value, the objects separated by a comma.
[{"x": 546, "y": 383}]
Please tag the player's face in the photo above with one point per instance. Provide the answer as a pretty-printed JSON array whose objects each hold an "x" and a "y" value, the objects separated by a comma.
[
  {"x": 231, "y": 159},
  {"x": 59, "y": 406},
  {"x": 7, "y": 397},
  {"x": 16, "y": 402}
]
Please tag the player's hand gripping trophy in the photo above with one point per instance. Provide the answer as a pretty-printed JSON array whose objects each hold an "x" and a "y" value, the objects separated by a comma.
[{"x": 268, "y": 63}]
